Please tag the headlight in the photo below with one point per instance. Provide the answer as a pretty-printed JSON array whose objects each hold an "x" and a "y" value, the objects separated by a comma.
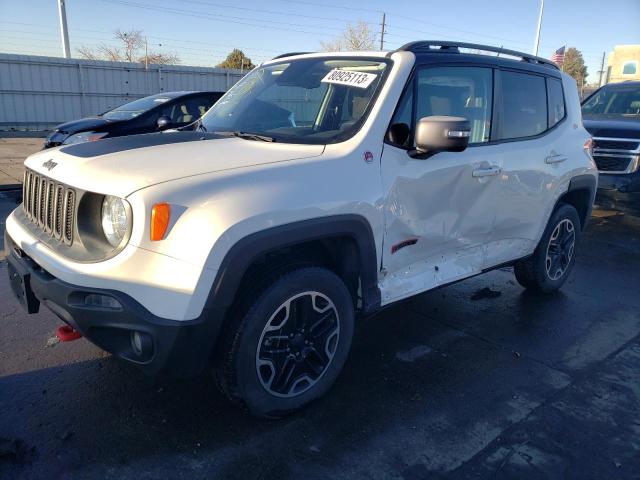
[
  {"x": 84, "y": 137},
  {"x": 114, "y": 220}
]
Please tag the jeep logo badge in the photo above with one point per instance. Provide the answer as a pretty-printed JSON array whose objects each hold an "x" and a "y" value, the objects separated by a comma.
[{"x": 49, "y": 164}]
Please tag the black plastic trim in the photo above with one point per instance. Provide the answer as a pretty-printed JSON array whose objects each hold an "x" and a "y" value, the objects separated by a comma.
[
  {"x": 180, "y": 348},
  {"x": 584, "y": 182},
  {"x": 246, "y": 251},
  {"x": 453, "y": 47}
]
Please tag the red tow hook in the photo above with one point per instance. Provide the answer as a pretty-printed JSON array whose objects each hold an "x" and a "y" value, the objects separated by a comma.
[{"x": 66, "y": 333}]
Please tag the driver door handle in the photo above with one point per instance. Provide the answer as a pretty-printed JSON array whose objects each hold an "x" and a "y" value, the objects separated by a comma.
[
  {"x": 487, "y": 172},
  {"x": 555, "y": 158}
]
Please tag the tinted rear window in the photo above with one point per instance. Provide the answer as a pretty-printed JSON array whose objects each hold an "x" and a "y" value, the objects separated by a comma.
[
  {"x": 556, "y": 101},
  {"x": 524, "y": 105}
]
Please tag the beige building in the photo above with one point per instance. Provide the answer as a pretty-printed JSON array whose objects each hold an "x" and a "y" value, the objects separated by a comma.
[{"x": 624, "y": 64}]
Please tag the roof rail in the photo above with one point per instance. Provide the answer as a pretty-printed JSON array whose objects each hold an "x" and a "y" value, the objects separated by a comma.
[
  {"x": 290, "y": 54},
  {"x": 453, "y": 47}
]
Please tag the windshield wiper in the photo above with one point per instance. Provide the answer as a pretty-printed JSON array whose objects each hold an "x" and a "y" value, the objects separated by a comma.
[{"x": 249, "y": 136}]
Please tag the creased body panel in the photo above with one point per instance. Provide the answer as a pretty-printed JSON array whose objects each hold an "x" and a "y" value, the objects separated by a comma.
[{"x": 439, "y": 203}]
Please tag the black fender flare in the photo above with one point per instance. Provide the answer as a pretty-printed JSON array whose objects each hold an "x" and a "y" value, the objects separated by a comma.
[
  {"x": 244, "y": 252},
  {"x": 584, "y": 182}
]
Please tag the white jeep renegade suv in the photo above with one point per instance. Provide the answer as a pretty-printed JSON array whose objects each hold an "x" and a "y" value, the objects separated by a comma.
[{"x": 321, "y": 187}]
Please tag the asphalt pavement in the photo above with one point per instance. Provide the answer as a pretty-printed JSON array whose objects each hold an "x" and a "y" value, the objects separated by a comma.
[
  {"x": 476, "y": 380},
  {"x": 13, "y": 151}
]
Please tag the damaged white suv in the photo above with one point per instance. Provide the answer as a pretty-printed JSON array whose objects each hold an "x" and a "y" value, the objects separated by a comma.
[{"x": 320, "y": 188}]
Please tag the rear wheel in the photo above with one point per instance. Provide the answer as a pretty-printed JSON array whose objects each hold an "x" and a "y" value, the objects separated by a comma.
[
  {"x": 549, "y": 266},
  {"x": 289, "y": 345}
]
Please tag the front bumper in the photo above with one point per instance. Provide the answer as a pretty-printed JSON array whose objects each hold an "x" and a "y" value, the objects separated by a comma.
[
  {"x": 619, "y": 192},
  {"x": 176, "y": 348}
]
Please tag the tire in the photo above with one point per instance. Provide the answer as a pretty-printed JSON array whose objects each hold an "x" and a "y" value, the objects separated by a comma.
[
  {"x": 308, "y": 311},
  {"x": 553, "y": 259}
]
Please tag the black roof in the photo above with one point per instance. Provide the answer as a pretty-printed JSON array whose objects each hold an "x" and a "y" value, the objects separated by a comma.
[
  {"x": 433, "y": 51},
  {"x": 438, "y": 46}
]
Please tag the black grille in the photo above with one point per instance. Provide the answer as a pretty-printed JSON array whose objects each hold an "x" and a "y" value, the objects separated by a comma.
[
  {"x": 615, "y": 144},
  {"x": 50, "y": 205},
  {"x": 612, "y": 164}
]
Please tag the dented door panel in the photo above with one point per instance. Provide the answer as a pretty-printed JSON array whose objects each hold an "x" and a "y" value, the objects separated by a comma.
[{"x": 439, "y": 214}]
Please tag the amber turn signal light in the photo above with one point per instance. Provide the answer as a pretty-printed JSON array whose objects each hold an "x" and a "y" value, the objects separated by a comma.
[{"x": 160, "y": 214}]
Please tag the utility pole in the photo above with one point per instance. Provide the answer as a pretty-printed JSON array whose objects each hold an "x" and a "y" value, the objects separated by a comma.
[
  {"x": 382, "y": 31},
  {"x": 601, "y": 71},
  {"x": 62, "y": 13},
  {"x": 146, "y": 53},
  {"x": 537, "y": 44}
]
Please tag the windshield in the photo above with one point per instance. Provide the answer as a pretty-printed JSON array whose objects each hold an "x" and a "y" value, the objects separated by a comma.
[
  {"x": 316, "y": 100},
  {"x": 135, "y": 108},
  {"x": 619, "y": 100}
]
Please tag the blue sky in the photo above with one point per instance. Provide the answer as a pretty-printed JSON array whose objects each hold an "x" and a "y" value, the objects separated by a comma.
[{"x": 201, "y": 32}]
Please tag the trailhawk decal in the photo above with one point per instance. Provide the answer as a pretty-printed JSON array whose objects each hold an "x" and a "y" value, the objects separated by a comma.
[{"x": 352, "y": 79}]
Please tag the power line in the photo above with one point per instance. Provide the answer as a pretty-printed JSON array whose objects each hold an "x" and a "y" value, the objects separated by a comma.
[
  {"x": 219, "y": 17},
  {"x": 111, "y": 38},
  {"x": 271, "y": 12},
  {"x": 325, "y": 5}
]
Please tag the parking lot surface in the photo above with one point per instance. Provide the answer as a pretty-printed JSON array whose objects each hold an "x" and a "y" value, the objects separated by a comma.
[
  {"x": 476, "y": 380},
  {"x": 12, "y": 153}
]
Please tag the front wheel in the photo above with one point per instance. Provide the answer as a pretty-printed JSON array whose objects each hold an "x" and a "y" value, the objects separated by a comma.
[
  {"x": 289, "y": 345},
  {"x": 552, "y": 261}
]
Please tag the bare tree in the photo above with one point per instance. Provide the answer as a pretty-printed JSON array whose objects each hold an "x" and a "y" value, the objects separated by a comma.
[
  {"x": 130, "y": 47},
  {"x": 132, "y": 42},
  {"x": 161, "y": 58},
  {"x": 88, "y": 53},
  {"x": 356, "y": 36}
]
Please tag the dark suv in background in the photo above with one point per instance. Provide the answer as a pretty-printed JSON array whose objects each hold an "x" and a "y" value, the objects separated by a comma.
[
  {"x": 612, "y": 116},
  {"x": 144, "y": 115}
]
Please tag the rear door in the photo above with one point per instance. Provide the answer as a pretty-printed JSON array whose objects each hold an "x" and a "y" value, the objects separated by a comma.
[
  {"x": 529, "y": 128},
  {"x": 439, "y": 212}
]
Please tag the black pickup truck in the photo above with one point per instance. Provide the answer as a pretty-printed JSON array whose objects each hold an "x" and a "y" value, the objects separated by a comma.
[{"x": 612, "y": 116}]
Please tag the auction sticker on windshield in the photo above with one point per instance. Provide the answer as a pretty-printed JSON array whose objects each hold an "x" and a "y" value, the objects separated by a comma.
[{"x": 352, "y": 79}]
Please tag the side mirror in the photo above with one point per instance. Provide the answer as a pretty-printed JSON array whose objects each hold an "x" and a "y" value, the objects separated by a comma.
[
  {"x": 440, "y": 134},
  {"x": 163, "y": 123},
  {"x": 399, "y": 133}
]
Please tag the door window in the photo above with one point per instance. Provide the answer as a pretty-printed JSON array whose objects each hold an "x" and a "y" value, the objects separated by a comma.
[
  {"x": 524, "y": 105},
  {"x": 460, "y": 92},
  {"x": 556, "y": 101}
]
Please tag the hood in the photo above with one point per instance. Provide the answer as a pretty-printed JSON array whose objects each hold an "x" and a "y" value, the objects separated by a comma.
[
  {"x": 120, "y": 166},
  {"x": 612, "y": 126},
  {"x": 82, "y": 125}
]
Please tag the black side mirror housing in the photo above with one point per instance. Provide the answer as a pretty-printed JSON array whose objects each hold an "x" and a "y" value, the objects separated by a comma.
[
  {"x": 163, "y": 123},
  {"x": 399, "y": 133},
  {"x": 441, "y": 134}
]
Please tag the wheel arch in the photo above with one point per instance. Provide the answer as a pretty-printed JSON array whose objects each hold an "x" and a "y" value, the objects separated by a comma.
[
  {"x": 580, "y": 195},
  {"x": 324, "y": 230}
]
